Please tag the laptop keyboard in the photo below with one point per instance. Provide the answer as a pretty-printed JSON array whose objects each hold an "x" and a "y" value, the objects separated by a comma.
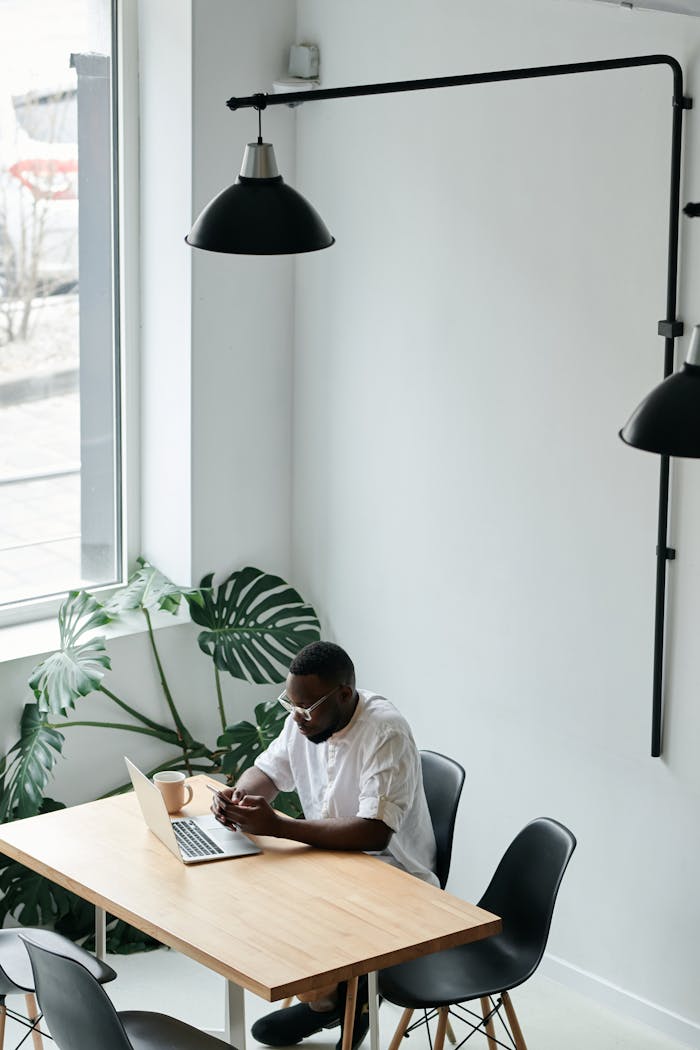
[{"x": 194, "y": 842}]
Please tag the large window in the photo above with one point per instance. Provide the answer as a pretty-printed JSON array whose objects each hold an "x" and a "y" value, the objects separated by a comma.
[{"x": 60, "y": 477}]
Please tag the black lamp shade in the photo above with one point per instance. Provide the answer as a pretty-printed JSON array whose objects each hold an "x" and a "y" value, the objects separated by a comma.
[
  {"x": 668, "y": 419},
  {"x": 259, "y": 217}
]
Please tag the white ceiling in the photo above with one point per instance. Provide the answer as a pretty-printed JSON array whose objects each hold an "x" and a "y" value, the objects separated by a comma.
[{"x": 681, "y": 7}]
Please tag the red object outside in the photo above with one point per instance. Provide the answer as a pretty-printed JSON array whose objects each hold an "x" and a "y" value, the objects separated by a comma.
[{"x": 47, "y": 178}]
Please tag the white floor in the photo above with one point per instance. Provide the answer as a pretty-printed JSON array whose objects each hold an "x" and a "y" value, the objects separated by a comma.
[{"x": 552, "y": 1017}]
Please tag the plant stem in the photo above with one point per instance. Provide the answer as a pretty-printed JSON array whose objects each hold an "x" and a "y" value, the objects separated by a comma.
[
  {"x": 132, "y": 711},
  {"x": 182, "y": 732},
  {"x": 114, "y": 725},
  {"x": 220, "y": 699}
]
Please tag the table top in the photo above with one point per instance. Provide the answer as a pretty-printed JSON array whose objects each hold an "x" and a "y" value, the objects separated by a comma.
[{"x": 285, "y": 921}]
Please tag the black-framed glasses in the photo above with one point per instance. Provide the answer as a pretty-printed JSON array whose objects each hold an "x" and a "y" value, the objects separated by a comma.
[{"x": 303, "y": 712}]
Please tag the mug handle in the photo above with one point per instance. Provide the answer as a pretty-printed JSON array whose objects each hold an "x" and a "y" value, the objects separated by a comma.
[{"x": 187, "y": 801}]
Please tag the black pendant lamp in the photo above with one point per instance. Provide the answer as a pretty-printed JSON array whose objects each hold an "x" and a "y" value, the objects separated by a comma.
[
  {"x": 259, "y": 214},
  {"x": 668, "y": 419}
]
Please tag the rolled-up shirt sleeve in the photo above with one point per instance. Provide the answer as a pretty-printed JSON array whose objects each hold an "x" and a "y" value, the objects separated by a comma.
[
  {"x": 389, "y": 780},
  {"x": 275, "y": 763}
]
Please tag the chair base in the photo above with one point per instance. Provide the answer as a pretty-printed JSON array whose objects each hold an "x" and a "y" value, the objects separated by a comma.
[
  {"x": 31, "y": 1021},
  {"x": 483, "y": 1023}
]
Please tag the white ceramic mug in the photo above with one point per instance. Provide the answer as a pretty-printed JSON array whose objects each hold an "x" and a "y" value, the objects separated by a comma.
[{"x": 176, "y": 793}]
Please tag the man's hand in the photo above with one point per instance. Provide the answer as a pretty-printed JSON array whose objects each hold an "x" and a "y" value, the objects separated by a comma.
[
  {"x": 251, "y": 783},
  {"x": 221, "y": 800},
  {"x": 250, "y": 813}
]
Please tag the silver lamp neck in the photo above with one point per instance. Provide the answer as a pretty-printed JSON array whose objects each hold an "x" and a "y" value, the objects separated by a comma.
[
  {"x": 693, "y": 356},
  {"x": 259, "y": 161}
]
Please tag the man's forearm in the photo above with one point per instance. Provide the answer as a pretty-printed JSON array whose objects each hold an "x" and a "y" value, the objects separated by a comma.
[
  {"x": 351, "y": 833},
  {"x": 255, "y": 782}
]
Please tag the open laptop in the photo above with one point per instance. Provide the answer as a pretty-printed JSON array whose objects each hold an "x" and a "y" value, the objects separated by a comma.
[{"x": 191, "y": 839}]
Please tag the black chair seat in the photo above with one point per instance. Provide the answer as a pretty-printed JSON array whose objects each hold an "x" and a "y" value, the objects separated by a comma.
[
  {"x": 456, "y": 975},
  {"x": 150, "y": 1031},
  {"x": 16, "y": 969}
]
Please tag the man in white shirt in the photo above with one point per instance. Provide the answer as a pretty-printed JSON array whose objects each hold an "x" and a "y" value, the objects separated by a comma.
[{"x": 352, "y": 759}]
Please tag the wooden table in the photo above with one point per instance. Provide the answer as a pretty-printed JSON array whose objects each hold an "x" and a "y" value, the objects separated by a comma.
[{"x": 288, "y": 920}]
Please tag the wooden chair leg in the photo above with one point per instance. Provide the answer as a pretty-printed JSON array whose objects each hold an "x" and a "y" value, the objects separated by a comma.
[
  {"x": 400, "y": 1030},
  {"x": 349, "y": 1019},
  {"x": 488, "y": 1027},
  {"x": 443, "y": 1017},
  {"x": 513, "y": 1022},
  {"x": 3, "y": 1018},
  {"x": 33, "y": 1014},
  {"x": 452, "y": 1038}
]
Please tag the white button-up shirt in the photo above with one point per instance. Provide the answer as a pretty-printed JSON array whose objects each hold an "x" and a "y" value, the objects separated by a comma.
[{"x": 371, "y": 769}]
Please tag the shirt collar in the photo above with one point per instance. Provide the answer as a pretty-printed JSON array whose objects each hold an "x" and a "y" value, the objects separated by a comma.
[{"x": 359, "y": 707}]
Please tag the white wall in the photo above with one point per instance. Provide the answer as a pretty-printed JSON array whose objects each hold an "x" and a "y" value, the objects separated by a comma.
[
  {"x": 242, "y": 307},
  {"x": 216, "y": 355},
  {"x": 465, "y": 517}
]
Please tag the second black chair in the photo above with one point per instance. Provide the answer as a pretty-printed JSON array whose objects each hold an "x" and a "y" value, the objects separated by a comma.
[
  {"x": 80, "y": 1014},
  {"x": 522, "y": 892},
  {"x": 16, "y": 976}
]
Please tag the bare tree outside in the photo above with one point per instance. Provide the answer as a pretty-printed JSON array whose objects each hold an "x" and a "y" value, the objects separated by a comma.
[
  {"x": 38, "y": 251},
  {"x": 49, "y": 397}
]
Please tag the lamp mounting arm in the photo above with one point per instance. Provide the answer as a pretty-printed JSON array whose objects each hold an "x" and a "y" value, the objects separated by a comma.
[
  {"x": 669, "y": 328},
  {"x": 260, "y": 100}
]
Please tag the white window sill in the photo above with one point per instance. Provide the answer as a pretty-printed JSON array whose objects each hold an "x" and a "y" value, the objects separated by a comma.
[{"x": 39, "y": 637}]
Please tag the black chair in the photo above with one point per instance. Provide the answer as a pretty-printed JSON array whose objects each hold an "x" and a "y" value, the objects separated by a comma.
[
  {"x": 443, "y": 780},
  {"x": 522, "y": 892},
  {"x": 16, "y": 976},
  {"x": 80, "y": 1014}
]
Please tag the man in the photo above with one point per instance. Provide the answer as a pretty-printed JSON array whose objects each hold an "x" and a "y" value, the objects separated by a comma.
[{"x": 352, "y": 759}]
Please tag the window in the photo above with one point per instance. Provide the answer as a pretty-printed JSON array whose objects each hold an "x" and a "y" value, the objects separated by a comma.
[{"x": 60, "y": 457}]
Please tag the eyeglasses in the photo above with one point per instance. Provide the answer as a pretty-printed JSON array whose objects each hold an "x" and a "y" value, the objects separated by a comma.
[{"x": 303, "y": 712}]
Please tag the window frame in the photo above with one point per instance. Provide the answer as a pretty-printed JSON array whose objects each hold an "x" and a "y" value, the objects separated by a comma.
[{"x": 125, "y": 290}]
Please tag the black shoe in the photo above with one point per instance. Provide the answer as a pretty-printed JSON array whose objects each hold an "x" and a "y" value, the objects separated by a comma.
[
  {"x": 361, "y": 1023},
  {"x": 289, "y": 1026}
]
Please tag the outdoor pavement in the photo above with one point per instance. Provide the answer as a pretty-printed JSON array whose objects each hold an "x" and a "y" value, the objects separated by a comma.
[{"x": 39, "y": 518}]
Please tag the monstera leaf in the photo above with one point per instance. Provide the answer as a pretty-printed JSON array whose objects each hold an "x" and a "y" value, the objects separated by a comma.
[
  {"x": 79, "y": 613},
  {"x": 254, "y": 624},
  {"x": 245, "y": 741},
  {"x": 27, "y": 767},
  {"x": 78, "y": 667},
  {"x": 149, "y": 589}
]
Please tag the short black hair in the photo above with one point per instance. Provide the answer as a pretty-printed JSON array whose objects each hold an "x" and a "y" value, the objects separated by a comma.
[{"x": 327, "y": 660}]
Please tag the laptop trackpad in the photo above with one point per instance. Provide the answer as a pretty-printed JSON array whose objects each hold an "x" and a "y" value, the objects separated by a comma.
[{"x": 223, "y": 836}]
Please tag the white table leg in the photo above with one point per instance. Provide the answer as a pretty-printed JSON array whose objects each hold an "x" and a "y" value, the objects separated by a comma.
[
  {"x": 100, "y": 933},
  {"x": 234, "y": 1020},
  {"x": 373, "y": 1011}
]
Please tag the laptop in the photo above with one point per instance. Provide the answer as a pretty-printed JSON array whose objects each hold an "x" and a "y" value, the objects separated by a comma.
[{"x": 192, "y": 839}]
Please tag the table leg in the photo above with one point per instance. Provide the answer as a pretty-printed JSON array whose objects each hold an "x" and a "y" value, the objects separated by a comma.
[
  {"x": 349, "y": 1019},
  {"x": 234, "y": 1021},
  {"x": 100, "y": 933},
  {"x": 373, "y": 1010}
]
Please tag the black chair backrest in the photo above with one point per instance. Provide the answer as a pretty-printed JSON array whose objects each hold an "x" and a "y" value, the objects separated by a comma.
[
  {"x": 524, "y": 887},
  {"x": 78, "y": 1012},
  {"x": 443, "y": 779}
]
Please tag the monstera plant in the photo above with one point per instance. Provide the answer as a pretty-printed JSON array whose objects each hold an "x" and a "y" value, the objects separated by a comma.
[{"x": 252, "y": 625}]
